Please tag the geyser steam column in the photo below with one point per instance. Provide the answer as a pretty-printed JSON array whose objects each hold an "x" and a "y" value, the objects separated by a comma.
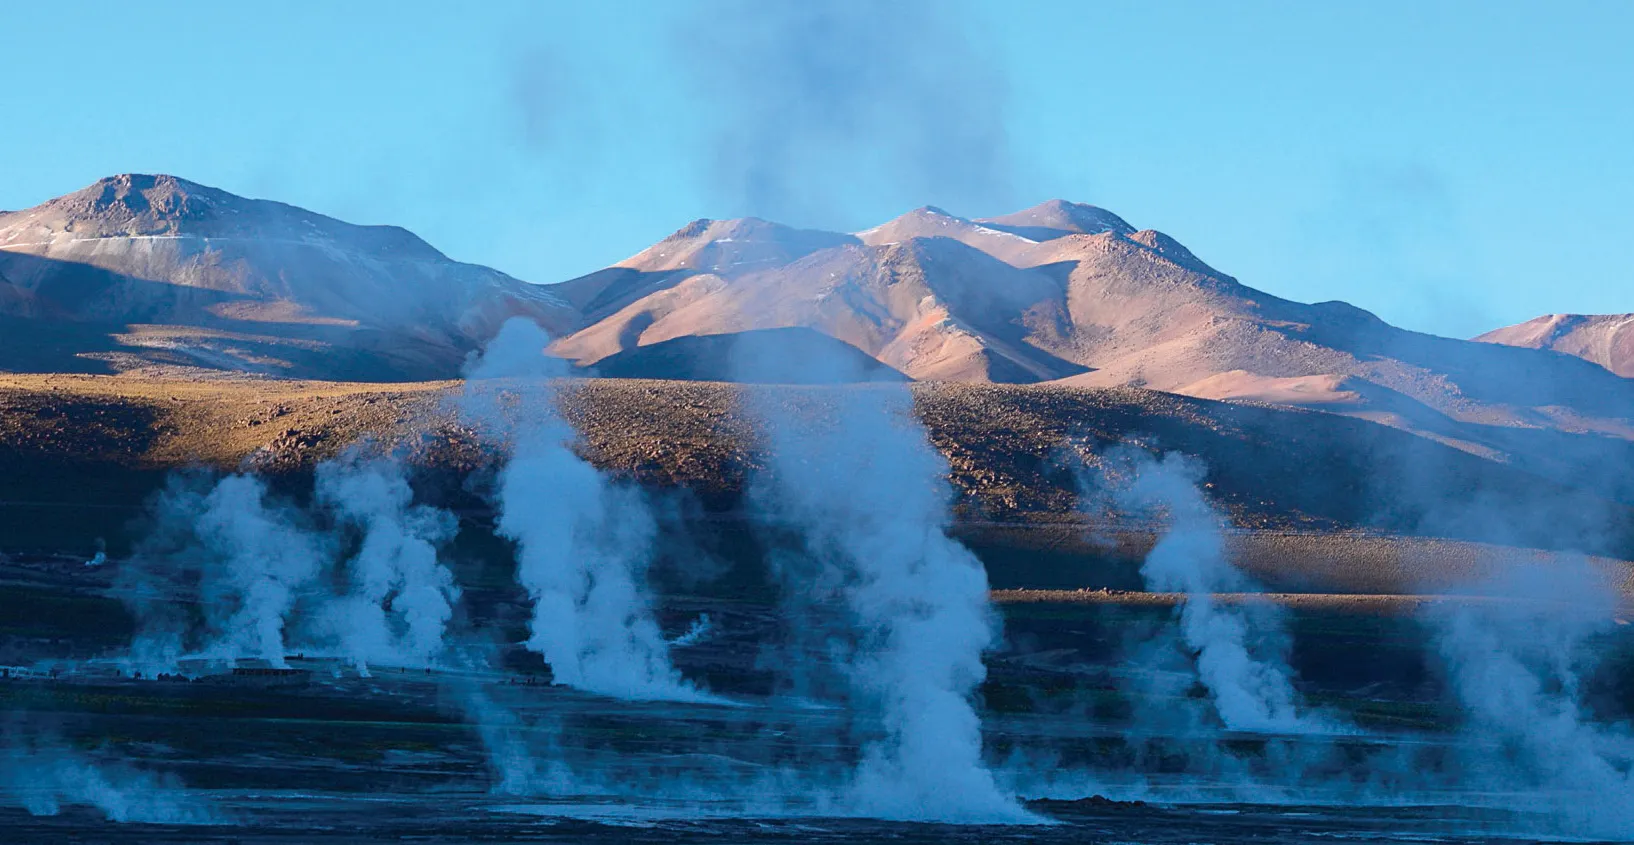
[
  {"x": 583, "y": 543},
  {"x": 402, "y": 595},
  {"x": 1252, "y": 688},
  {"x": 853, "y": 473}
]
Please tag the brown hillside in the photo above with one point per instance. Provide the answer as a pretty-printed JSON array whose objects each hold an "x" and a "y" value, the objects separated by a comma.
[
  {"x": 139, "y": 270},
  {"x": 78, "y": 454}
]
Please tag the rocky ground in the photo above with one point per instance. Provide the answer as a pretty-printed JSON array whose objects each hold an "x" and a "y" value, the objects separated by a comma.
[{"x": 1318, "y": 503}]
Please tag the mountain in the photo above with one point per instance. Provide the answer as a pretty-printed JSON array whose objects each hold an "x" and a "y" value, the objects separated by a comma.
[
  {"x": 1056, "y": 218},
  {"x": 1072, "y": 294},
  {"x": 1605, "y": 339},
  {"x": 931, "y": 308},
  {"x": 1067, "y": 292},
  {"x": 139, "y": 270}
]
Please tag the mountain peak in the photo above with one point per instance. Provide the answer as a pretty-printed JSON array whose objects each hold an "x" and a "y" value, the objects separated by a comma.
[
  {"x": 1056, "y": 218},
  {"x": 731, "y": 246},
  {"x": 742, "y": 228},
  {"x": 1173, "y": 250},
  {"x": 1605, "y": 339},
  {"x": 143, "y": 205},
  {"x": 916, "y": 219},
  {"x": 225, "y": 282},
  {"x": 123, "y": 184},
  {"x": 138, "y": 203},
  {"x": 932, "y": 222}
]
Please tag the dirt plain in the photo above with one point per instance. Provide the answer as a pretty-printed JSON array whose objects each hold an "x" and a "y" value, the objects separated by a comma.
[{"x": 1317, "y": 503}]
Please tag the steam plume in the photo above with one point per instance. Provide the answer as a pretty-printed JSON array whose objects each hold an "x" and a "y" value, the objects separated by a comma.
[
  {"x": 259, "y": 563},
  {"x": 861, "y": 483},
  {"x": 44, "y": 779},
  {"x": 263, "y": 571},
  {"x": 401, "y": 596},
  {"x": 1516, "y": 667},
  {"x": 1235, "y": 647},
  {"x": 820, "y": 104},
  {"x": 583, "y": 543}
]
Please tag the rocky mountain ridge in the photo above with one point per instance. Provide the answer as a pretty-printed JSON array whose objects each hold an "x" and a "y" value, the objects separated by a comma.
[{"x": 139, "y": 272}]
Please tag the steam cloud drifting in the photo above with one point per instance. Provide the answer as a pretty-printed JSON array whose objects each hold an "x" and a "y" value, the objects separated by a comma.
[
  {"x": 1516, "y": 667},
  {"x": 247, "y": 559},
  {"x": 44, "y": 778},
  {"x": 820, "y": 103},
  {"x": 583, "y": 542},
  {"x": 263, "y": 570},
  {"x": 857, "y": 478},
  {"x": 402, "y": 596},
  {"x": 1236, "y": 647}
]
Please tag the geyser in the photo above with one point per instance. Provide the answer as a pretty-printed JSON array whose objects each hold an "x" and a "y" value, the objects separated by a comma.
[
  {"x": 401, "y": 596},
  {"x": 583, "y": 542},
  {"x": 853, "y": 474},
  {"x": 1237, "y": 648},
  {"x": 247, "y": 559},
  {"x": 44, "y": 777},
  {"x": 1516, "y": 665},
  {"x": 264, "y": 570}
]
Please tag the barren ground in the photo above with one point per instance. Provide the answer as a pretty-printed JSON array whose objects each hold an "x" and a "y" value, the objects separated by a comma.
[{"x": 1319, "y": 504}]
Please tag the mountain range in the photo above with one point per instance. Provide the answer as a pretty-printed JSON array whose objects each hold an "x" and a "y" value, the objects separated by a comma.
[{"x": 140, "y": 271}]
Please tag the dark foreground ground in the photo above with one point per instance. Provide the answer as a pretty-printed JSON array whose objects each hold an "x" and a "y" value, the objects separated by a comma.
[
  {"x": 480, "y": 753},
  {"x": 402, "y": 758},
  {"x": 1071, "y": 705},
  {"x": 301, "y": 818}
]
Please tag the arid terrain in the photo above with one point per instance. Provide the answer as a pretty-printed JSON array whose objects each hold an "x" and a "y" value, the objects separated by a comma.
[
  {"x": 1367, "y": 482},
  {"x": 1319, "y": 503},
  {"x": 142, "y": 273}
]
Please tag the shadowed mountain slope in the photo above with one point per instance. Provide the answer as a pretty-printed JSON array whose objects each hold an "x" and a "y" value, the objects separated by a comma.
[
  {"x": 761, "y": 356},
  {"x": 166, "y": 271}
]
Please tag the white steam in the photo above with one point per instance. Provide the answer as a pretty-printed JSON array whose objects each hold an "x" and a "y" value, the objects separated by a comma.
[
  {"x": 44, "y": 780},
  {"x": 583, "y": 543},
  {"x": 265, "y": 573},
  {"x": 1516, "y": 666},
  {"x": 695, "y": 633},
  {"x": 867, "y": 492},
  {"x": 1236, "y": 647},
  {"x": 518, "y": 768},
  {"x": 402, "y": 596},
  {"x": 263, "y": 561}
]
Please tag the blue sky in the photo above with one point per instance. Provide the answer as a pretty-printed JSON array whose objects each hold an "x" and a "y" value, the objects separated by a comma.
[{"x": 1451, "y": 166}]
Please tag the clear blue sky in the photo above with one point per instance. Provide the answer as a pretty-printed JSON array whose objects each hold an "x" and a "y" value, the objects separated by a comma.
[{"x": 1451, "y": 166}]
